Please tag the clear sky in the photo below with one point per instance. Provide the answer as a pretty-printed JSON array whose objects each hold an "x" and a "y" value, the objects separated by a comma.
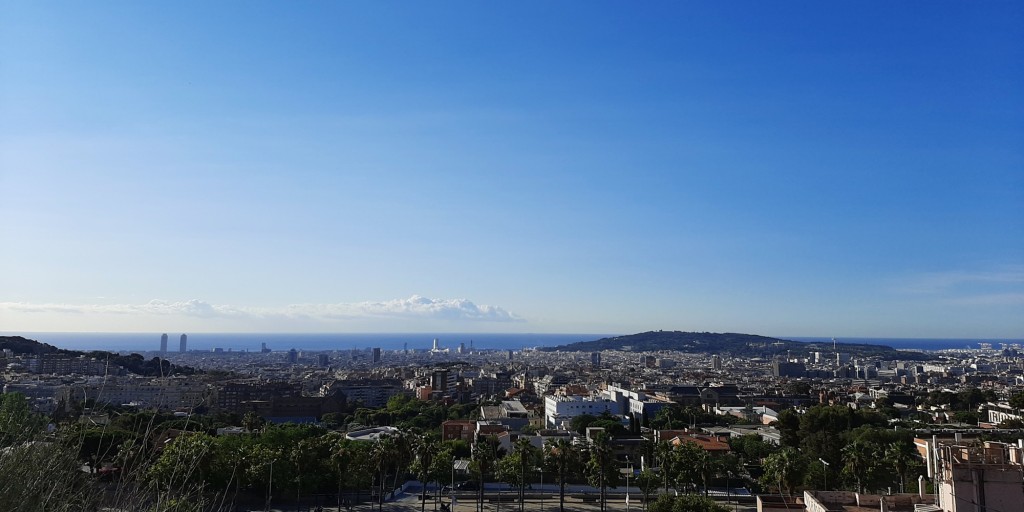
[{"x": 779, "y": 168}]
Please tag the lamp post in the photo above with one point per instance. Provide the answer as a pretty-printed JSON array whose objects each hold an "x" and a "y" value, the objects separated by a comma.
[
  {"x": 824, "y": 469},
  {"x": 541, "y": 470},
  {"x": 271, "y": 486},
  {"x": 629, "y": 469}
]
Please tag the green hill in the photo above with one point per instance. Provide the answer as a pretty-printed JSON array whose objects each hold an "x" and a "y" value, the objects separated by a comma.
[
  {"x": 728, "y": 344},
  {"x": 133, "y": 363}
]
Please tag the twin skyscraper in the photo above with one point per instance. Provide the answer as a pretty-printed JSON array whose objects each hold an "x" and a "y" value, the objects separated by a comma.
[{"x": 182, "y": 345}]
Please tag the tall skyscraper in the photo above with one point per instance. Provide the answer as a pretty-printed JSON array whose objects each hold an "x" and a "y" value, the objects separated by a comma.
[
  {"x": 183, "y": 344},
  {"x": 716, "y": 362},
  {"x": 163, "y": 343},
  {"x": 376, "y": 354},
  {"x": 293, "y": 356}
]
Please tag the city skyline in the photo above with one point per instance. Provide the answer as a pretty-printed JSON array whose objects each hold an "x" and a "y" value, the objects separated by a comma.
[{"x": 794, "y": 169}]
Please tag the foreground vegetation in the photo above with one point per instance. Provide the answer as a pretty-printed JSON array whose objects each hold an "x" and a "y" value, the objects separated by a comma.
[{"x": 160, "y": 463}]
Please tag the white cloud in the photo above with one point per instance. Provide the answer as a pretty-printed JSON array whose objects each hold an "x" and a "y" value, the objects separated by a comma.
[{"x": 415, "y": 307}]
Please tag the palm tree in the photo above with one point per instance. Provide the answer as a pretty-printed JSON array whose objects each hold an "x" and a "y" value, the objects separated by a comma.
[
  {"x": 600, "y": 468},
  {"x": 341, "y": 458},
  {"x": 527, "y": 457},
  {"x": 485, "y": 453},
  {"x": 858, "y": 456},
  {"x": 383, "y": 452},
  {"x": 403, "y": 451},
  {"x": 562, "y": 456},
  {"x": 424, "y": 449},
  {"x": 900, "y": 455},
  {"x": 665, "y": 453},
  {"x": 707, "y": 468},
  {"x": 785, "y": 468}
]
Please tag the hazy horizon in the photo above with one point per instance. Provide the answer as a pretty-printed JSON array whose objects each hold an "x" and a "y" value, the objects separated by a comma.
[{"x": 573, "y": 167}]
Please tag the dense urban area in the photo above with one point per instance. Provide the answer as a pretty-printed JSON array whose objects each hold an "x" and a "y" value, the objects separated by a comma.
[{"x": 775, "y": 426}]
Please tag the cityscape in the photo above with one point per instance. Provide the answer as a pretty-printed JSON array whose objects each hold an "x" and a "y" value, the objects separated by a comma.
[
  {"x": 526, "y": 256},
  {"x": 776, "y": 430}
]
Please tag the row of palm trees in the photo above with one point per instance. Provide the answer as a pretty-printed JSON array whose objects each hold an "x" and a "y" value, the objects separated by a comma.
[
  {"x": 683, "y": 467},
  {"x": 863, "y": 463}
]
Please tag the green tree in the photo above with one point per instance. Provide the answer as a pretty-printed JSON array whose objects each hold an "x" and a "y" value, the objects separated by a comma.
[
  {"x": 251, "y": 422},
  {"x": 901, "y": 457},
  {"x": 516, "y": 468},
  {"x": 422, "y": 465},
  {"x": 858, "y": 458},
  {"x": 785, "y": 469},
  {"x": 648, "y": 482},
  {"x": 444, "y": 465},
  {"x": 485, "y": 455},
  {"x": 601, "y": 468},
  {"x": 667, "y": 462},
  {"x": 18, "y": 424},
  {"x": 751, "y": 447},
  {"x": 384, "y": 452},
  {"x": 685, "y": 503},
  {"x": 690, "y": 464},
  {"x": 562, "y": 458},
  {"x": 1017, "y": 401},
  {"x": 97, "y": 445},
  {"x": 580, "y": 423},
  {"x": 181, "y": 471}
]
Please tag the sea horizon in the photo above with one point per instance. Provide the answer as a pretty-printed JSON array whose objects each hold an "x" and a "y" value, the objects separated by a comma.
[{"x": 200, "y": 341}]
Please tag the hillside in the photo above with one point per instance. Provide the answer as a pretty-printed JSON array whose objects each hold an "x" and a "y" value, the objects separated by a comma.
[
  {"x": 730, "y": 344},
  {"x": 133, "y": 363}
]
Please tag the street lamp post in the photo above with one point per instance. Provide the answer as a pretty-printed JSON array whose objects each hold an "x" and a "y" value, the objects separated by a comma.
[
  {"x": 270, "y": 487},
  {"x": 824, "y": 469},
  {"x": 629, "y": 469},
  {"x": 541, "y": 468}
]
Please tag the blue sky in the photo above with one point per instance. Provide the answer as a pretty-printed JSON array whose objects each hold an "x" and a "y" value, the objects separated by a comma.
[{"x": 783, "y": 169}]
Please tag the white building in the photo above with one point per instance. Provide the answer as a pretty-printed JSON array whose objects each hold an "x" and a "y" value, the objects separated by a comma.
[{"x": 560, "y": 410}]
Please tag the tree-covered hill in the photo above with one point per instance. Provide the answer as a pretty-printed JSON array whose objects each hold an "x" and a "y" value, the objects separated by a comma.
[
  {"x": 730, "y": 344},
  {"x": 133, "y": 363}
]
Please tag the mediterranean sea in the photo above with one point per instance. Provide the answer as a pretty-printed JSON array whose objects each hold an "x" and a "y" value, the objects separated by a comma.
[{"x": 142, "y": 342}]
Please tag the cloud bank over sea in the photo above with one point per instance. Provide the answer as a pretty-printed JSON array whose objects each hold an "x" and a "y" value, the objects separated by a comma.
[{"x": 202, "y": 314}]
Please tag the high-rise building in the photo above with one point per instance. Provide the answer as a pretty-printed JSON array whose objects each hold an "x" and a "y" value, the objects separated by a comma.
[
  {"x": 163, "y": 343},
  {"x": 716, "y": 362},
  {"x": 293, "y": 356},
  {"x": 376, "y": 354},
  {"x": 183, "y": 344},
  {"x": 595, "y": 359},
  {"x": 323, "y": 360}
]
